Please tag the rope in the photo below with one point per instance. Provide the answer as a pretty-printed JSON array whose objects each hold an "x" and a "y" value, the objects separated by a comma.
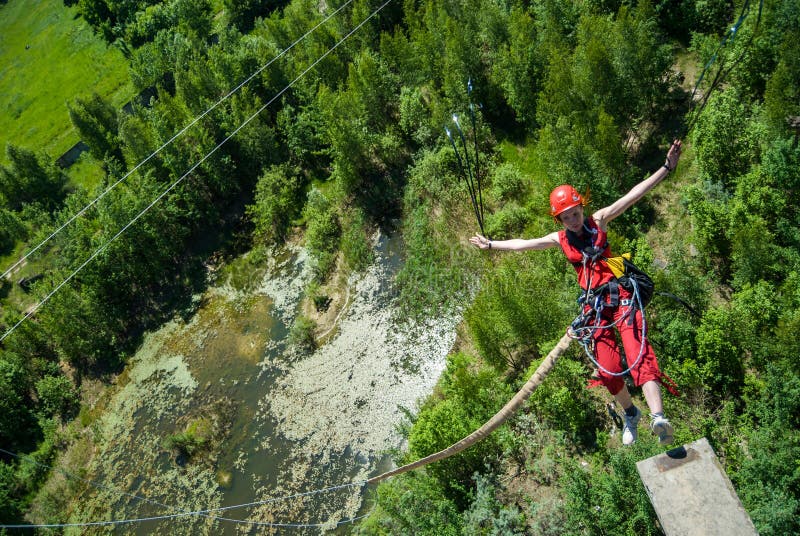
[
  {"x": 475, "y": 142},
  {"x": 119, "y": 522},
  {"x": 470, "y": 177},
  {"x": 584, "y": 334},
  {"x": 181, "y": 513},
  {"x": 102, "y": 248},
  {"x": 173, "y": 138},
  {"x": 722, "y": 73},
  {"x": 465, "y": 174},
  {"x": 492, "y": 424}
]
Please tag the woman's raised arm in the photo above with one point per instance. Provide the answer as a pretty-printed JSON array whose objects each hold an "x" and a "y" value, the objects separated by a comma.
[{"x": 606, "y": 214}]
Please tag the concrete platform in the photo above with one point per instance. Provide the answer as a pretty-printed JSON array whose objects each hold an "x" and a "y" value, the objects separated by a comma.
[{"x": 692, "y": 495}]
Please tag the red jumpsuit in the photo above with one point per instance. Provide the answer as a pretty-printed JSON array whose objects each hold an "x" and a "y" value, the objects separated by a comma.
[{"x": 592, "y": 275}]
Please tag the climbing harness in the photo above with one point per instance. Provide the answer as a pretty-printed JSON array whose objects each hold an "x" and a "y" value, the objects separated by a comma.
[
  {"x": 722, "y": 72},
  {"x": 594, "y": 299},
  {"x": 469, "y": 167},
  {"x": 590, "y": 320}
]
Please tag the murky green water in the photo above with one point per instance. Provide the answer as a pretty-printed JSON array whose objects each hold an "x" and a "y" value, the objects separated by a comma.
[{"x": 287, "y": 424}]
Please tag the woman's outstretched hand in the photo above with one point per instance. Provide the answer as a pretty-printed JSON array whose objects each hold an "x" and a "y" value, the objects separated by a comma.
[
  {"x": 481, "y": 242},
  {"x": 673, "y": 155}
]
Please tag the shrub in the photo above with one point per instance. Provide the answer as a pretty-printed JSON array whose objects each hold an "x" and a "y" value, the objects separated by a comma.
[
  {"x": 436, "y": 272},
  {"x": 507, "y": 182},
  {"x": 11, "y": 230},
  {"x": 487, "y": 515},
  {"x": 314, "y": 293},
  {"x": 508, "y": 222},
  {"x": 184, "y": 444},
  {"x": 58, "y": 397},
  {"x": 725, "y": 139},
  {"x": 10, "y": 511},
  {"x": 17, "y": 425},
  {"x": 301, "y": 335},
  {"x": 35, "y": 467},
  {"x": 278, "y": 200},
  {"x": 322, "y": 232},
  {"x": 719, "y": 354},
  {"x": 609, "y": 498},
  {"x": 563, "y": 401},
  {"x": 414, "y": 503},
  {"x": 415, "y": 118},
  {"x": 470, "y": 397},
  {"x": 355, "y": 245},
  {"x": 517, "y": 309},
  {"x": 769, "y": 477}
]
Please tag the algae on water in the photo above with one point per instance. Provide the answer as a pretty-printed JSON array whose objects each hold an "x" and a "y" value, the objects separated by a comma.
[{"x": 290, "y": 425}]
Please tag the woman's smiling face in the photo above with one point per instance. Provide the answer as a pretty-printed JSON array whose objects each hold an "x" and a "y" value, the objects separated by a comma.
[{"x": 572, "y": 218}]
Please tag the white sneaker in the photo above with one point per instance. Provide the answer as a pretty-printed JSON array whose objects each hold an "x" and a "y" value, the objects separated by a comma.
[
  {"x": 662, "y": 428},
  {"x": 630, "y": 431}
]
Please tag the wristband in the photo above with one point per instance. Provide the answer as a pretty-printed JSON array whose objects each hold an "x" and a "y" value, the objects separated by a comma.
[
  {"x": 490, "y": 244},
  {"x": 666, "y": 166}
]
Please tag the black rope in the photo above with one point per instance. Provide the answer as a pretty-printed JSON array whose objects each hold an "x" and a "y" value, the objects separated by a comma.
[
  {"x": 475, "y": 141},
  {"x": 466, "y": 177},
  {"x": 681, "y": 301},
  {"x": 471, "y": 178},
  {"x": 722, "y": 71}
]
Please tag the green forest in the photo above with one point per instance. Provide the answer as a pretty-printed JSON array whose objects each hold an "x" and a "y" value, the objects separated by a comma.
[{"x": 344, "y": 134}]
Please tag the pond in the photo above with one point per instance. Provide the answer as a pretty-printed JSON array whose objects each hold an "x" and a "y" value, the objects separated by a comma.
[{"x": 283, "y": 423}]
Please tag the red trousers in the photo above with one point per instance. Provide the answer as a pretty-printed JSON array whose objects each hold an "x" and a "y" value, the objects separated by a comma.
[{"x": 607, "y": 352}]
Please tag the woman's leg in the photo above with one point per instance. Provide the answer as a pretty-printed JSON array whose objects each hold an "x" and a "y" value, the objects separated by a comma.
[
  {"x": 652, "y": 394},
  {"x": 607, "y": 354},
  {"x": 623, "y": 397},
  {"x": 642, "y": 360},
  {"x": 647, "y": 374}
]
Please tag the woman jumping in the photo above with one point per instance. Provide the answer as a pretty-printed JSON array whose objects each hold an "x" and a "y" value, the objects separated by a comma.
[{"x": 583, "y": 241}]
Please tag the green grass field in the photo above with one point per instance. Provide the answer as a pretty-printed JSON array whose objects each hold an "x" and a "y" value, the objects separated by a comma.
[{"x": 48, "y": 57}]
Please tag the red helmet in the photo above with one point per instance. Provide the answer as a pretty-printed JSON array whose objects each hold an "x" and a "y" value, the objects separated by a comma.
[{"x": 564, "y": 197}]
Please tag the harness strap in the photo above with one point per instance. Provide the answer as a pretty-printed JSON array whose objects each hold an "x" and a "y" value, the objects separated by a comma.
[
  {"x": 611, "y": 289},
  {"x": 613, "y": 293}
]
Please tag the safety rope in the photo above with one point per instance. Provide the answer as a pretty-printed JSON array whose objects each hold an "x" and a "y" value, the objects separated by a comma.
[
  {"x": 103, "y": 247},
  {"x": 169, "y": 141},
  {"x": 471, "y": 177},
  {"x": 492, "y": 424},
  {"x": 541, "y": 372},
  {"x": 583, "y": 332},
  {"x": 119, "y": 522},
  {"x": 475, "y": 143},
  {"x": 179, "y": 512},
  {"x": 722, "y": 72}
]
